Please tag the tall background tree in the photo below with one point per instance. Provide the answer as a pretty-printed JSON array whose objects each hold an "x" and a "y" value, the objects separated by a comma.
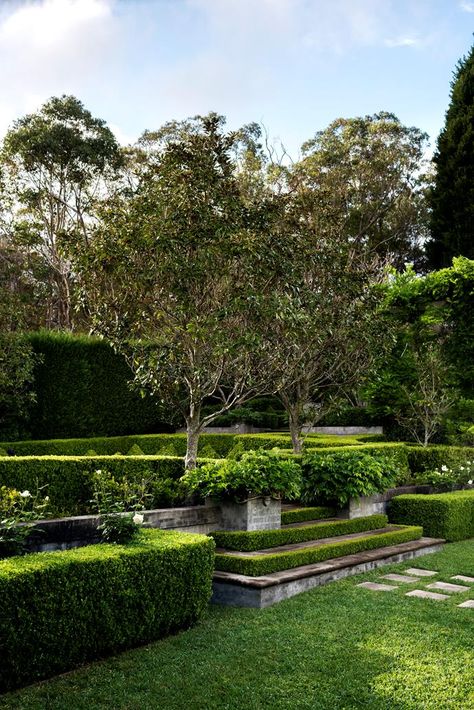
[
  {"x": 452, "y": 197},
  {"x": 56, "y": 163}
]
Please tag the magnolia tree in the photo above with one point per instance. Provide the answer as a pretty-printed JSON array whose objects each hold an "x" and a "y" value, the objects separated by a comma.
[{"x": 181, "y": 272}]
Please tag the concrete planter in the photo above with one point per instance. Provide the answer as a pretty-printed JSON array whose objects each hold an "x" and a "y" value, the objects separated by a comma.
[
  {"x": 372, "y": 505},
  {"x": 253, "y": 514}
]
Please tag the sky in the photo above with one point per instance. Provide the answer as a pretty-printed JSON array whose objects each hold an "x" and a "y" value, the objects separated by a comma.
[{"x": 292, "y": 65}]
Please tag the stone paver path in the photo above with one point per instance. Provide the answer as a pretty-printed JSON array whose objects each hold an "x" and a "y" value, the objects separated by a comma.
[
  {"x": 447, "y": 587},
  {"x": 427, "y": 595},
  {"x": 420, "y": 572},
  {"x": 400, "y": 578},
  {"x": 463, "y": 578},
  {"x": 469, "y": 604},
  {"x": 375, "y": 587}
]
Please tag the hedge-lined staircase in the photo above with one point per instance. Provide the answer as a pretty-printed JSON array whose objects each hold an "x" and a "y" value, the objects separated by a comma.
[{"x": 260, "y": 568}]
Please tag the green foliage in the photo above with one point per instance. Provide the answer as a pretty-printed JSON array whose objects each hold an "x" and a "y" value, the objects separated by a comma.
[
  {"x": 135, "y": 450},
  {"x": 444, "y": 515},
  {"x": 446, "y": 478},
  {"x": 452, "y": 197},
  {"x": 17, "y": 510},
  {"x": 208, "y": 452},
  {"x": 338, "y": 477},
  {"x": 257, "y": 565},
  {"x": 82, "y": 389},
  {"x": 17, "y": 394},
  {"x": 301, "y": 515},
  {"x": 257, "y": 473},
  {"x": 247, "y": 541},
  {"x": 429, "y": 458},
  {"x": 111, "y": 598},
  {"x": 70, "y": 480}
]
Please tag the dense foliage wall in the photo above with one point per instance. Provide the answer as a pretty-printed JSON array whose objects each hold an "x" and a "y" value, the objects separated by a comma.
[{"x": 82, "y": 389}]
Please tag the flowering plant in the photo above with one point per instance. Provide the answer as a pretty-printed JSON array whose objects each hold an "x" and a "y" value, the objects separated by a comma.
[
  {"x": 447, "y": 478},
  {"x": 18, "y": 509},
  {"x": 118, "y": 503}
]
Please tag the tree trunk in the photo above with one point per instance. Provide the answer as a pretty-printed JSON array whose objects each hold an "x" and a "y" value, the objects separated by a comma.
[
  {"x": 295, "y": 430},
  {"x": 193, "y": 430}
]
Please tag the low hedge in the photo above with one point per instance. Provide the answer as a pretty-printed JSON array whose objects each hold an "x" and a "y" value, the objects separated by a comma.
[
  {"x": 250, "y": 540},
  {"x": 283, "y": 441},
  {"x": 428, "y": 458},
  {"x": 266, "y": 564},
  {"x": 150, "y": 444},
  {"x": 62, "y": 609},
  {"x": 444, "y": 515},
  {"x": 68, "y": 479},
  {"x": 301, "y": 515}
]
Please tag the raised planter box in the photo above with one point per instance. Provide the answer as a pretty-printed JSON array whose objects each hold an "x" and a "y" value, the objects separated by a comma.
[
  {"x": 253, "y": 514},
  {"x": 371, "y": 505}
]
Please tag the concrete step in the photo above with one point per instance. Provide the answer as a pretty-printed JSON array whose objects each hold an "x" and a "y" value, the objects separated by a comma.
[
  {"x": 257, "y": 592},
  {"x": 309, "y": 543}
]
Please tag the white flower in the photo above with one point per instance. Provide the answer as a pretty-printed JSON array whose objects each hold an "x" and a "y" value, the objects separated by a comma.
[
  {"x": 469, "y": 483},
  {"x": 138, "y": 519},
  {"x": 25, "y": 494},
  {"x": 461, "y": 468},
  {"x": 444, "y": 468},
  {"x": 46, "y": 498},
  {"x": 99, "y": 471}
]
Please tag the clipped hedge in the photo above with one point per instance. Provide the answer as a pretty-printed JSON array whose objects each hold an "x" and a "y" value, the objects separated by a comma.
[
  {"x": 250, "y": 540},
  {"x": 62, "y": 609},
  {"x": 283, "y": 441},
  {"x": 266, "y": 564},
  {"x": 69, "y": 479},
  {"x": 443, "y": 515},
  {"x": 301, "y": 515},
  {"x": 428, "y": 458},
  {"x": 150, "y": 444}
]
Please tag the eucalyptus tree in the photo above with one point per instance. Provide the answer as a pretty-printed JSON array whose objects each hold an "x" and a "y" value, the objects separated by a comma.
[
  {"x": 181, "y": 272},
  {"x": 56, "y": 163}
]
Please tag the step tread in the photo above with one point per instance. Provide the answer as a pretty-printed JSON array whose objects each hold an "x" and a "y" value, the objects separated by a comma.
[
  {"x": 292, "y": 547},
  {"x": 330, "y": 565},
  {"x": 316, "y": 521}
]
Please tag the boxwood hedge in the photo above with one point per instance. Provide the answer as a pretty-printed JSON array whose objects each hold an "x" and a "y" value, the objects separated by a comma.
[
  {"x": 257, "y": 565},
  {"x": 61, "y": 609},
  {"x": 301, "y": 515},
  {"x": 249, "y": 540},
  {"x": 444, "y": 515},
  {"x": 428, "y": 458}
]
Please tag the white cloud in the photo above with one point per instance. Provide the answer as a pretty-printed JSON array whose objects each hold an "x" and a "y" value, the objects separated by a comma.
[
  {"x": 467, "y": 6},
  {"x": 402, "y": 42}
]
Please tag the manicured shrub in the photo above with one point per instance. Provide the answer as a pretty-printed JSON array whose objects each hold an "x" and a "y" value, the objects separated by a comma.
[
  {"x": 257, "y": 565},
  {"x": 150, "y": 444},
  {"x": 62, "y": 609},
  {"x": 429, "y": 458},
  {"x": 301, "y": 515},
  {"x": 257, "y": 473},
  {"x": 338, "y": 476},
  {"x": 69, "y": 480},
  {"x": 249, "y": 540},
  {"x": 444, "y": 515}
]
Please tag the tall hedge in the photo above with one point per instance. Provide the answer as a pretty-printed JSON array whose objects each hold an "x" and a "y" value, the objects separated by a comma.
[
  {"x": 82, "y": 389},
  {"x": 62, "y": 609}
]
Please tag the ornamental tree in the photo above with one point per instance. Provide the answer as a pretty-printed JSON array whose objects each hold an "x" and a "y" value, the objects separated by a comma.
[
  {"x": 452, "y": 196},
  {"x": 180, "y": 273}
]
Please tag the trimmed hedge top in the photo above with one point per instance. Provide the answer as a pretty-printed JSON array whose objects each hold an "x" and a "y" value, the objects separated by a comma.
[
  {"x": 445, "y": 515},
  {"x": 60, "y": 609}
]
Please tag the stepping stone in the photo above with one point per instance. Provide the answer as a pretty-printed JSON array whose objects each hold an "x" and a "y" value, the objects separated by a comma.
[
  {"x": 447, "y": 587},
  {"x": 420, "y": 572},
  {"x": 468, "y": 605},
  {"x": 400, "y": 578},
  {"x": 377, "y": 587},
  {"x": 463, "y": 578},
  {"x": 426, "y": 595}
]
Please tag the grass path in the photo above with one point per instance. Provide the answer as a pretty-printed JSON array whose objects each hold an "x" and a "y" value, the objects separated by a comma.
[{"x": 334, "y": 648}]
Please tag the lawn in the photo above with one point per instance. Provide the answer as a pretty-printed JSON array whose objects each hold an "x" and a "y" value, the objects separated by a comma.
[{"x": 336, "y": 647}]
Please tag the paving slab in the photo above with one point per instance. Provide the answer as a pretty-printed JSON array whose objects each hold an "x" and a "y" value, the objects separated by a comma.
[
  {"x": 400, "y": 578},
  {"x": 422, "y": 594},
  {"x": 420, "y": 572},
  {"x": 468, "y": 605},
  {"x": 447, "y": 587},
  {"x": 375, "y": 587},
  {"x": 463, "y": 578}
]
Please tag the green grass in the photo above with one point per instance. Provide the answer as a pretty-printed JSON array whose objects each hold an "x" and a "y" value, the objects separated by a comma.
[{"x": 338, "y": 647}]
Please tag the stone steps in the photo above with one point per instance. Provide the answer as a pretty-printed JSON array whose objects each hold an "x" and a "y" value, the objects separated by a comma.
[{"x": 241, "y": 590}]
